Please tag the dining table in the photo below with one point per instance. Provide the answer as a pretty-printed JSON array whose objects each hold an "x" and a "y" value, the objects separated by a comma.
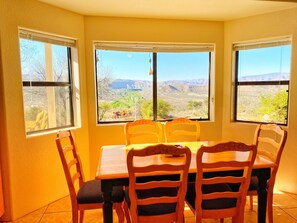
[{"x": 112, "y": 171}]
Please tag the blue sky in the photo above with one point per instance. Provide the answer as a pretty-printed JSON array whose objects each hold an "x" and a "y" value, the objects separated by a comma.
[
  {"x": 187, "y": 66},
  {"x": 33, "y": 59},
  {"x": 171, "y": 66},
  {"x": 265, "y": 60}
]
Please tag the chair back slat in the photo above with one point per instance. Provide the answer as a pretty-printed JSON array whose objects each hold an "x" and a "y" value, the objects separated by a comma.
[
  {"x": 71, "y": 163},
  {"x": 156, "y": 168},
  {"x": 220, "y": 195},
  {"x": 153, "y": 184},
  {"x": 67, "y": 149},
  {"x": 156, "y": 200},
  {"x": 75, "y": 177},
  {"x": 216, "y": 180}
]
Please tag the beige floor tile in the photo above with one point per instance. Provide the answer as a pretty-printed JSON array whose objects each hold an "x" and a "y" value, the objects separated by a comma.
[
  {"x": 250, "y": 216},
  {"x": 284, "y": 201},
  {"x": 190, "y": 220},
  {"x": 280, "y": 216},
  {"x": 33, "y": 217},
  {"x": 62, "y": 205},
  {"x": 40, "y": 211},
  {"x": 292, "y": 195},
  {"x": 188, "y": 213},
  {"x": 285, "y": 211},
  {"x": 29, "y": 219},
  {"x": 94, "y": 216},
  {"x": 60, "y": 217},
  {"x": 292, "y": 212}
]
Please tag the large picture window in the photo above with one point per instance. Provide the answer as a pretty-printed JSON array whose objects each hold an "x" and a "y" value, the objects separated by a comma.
[
  {"x": 157, "y": 82},
  {"x": 262, "y": 78},
  {"x": 47, "y": 81}
]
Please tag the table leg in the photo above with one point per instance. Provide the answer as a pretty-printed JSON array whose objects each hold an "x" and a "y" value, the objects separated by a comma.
[
  {"x": 107, "y": 204},
  {"x": 262, "y": 195}
]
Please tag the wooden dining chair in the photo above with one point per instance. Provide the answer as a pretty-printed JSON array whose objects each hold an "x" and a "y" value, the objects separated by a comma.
[
  {"x": 270, "y": 140},
  {"x": 220, "y": 196},
  {"x": 162, "y": 199},
  {"x": 182, "y": 129},
  {"x": 143, "y": 131},
  {"x": 84, "y": 195}
]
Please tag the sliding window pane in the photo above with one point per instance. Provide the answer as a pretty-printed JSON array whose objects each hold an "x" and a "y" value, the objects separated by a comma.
[
  {"x": 183, "y": 85},
  {"x": 264, "y": 64},
  {"x": 44, "y": 61},
  {"x": 262, "y": 103},
  {"x": 124, "y": 85},
  {"x": 47, "y": 107}
]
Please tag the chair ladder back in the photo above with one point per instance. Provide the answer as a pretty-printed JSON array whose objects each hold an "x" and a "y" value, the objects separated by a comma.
[
  {"x": 70, "y": 160},
  {"x": 273, "y": 136},
  {"x": 182, "y": 129},
  {"x": 144, "y": 131},
  {"x": 241, "y": 180},
  {"x": 180, "y": 168}
]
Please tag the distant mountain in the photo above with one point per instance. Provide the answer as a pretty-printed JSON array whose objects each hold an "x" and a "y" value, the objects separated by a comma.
[
  {"x": 130, "y": 84},
  {"x": 141, "y": 84},
  {"x": 189, "y": 85},
  {"x": 266, "y": 77}
]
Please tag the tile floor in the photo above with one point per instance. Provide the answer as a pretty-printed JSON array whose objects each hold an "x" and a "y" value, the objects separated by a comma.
[{"x": 285, "y": 211}]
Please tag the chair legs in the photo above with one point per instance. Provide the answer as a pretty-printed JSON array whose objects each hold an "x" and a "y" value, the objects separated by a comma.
[
  {"x": 270, "y": 205},
  {"x": 251, "y": 202},
  {"x": 74, "y": 215},
  {"x": 127, "y": 213},
  {"x": 81, "y": 216},
  {"x": 120, "y": 212}
]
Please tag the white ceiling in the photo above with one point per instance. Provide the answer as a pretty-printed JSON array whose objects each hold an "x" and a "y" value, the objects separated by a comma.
[{"x": 212, "y": 10}]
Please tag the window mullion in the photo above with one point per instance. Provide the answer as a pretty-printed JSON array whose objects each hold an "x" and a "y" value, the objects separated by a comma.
[
  {"x": 155, "y": 104},
  {"x": 236, "y": 83},
  {"x": 45, "y": 84},
  {"x": 70, "y": 75}
]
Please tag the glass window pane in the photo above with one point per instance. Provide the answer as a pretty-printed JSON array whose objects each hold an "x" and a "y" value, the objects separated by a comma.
[
  {"x": 124, "y": 85},
  {"x": 47, "y": 107},
  {"x": 44, "y": 61},
  {"x": 264, "y": 64},
  {"x": 183, "y": 85},
  {"x": 259, "y": 103}
]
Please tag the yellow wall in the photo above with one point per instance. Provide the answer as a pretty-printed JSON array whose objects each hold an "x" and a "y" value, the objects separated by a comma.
[
  {"x": 276, "y": 24},
  {"x": 150, "y": 30},
  {"x": 32, "y": 170}
]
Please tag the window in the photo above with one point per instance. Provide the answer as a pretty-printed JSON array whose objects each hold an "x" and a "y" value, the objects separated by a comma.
[
  {"x": 262, "y": 78},
  {"x": 47, "y": 81},
  {"x": 150, "y": 81}
]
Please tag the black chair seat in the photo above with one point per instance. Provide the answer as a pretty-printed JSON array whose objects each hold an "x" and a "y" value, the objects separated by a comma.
[
  {"x": 155, "y": 209},
  {"x": 254, "y": 184},
  {"x": 88, "y": 193},
  {"x": 221, "y": 203}
]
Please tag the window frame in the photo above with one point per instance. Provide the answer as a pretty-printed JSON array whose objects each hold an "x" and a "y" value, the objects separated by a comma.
[
  {"x": 156, "y": 48},
  {"x": 273, "y": 42},
  {"x": 53, "y": 40}
]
